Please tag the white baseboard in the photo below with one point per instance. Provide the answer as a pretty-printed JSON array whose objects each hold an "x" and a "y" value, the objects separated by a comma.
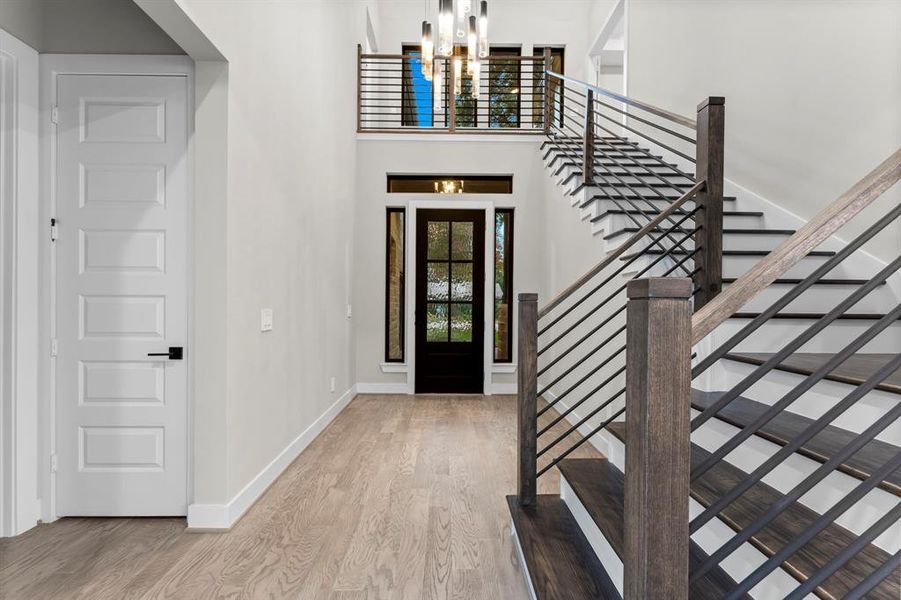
[
  {"x": 221, "y": 517},
  {"x": 502, "y": 388},
  {"x": 383, "y": 388}
]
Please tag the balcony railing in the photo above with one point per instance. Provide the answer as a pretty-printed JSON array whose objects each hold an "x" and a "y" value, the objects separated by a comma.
[{"x": 394, "y": 95}]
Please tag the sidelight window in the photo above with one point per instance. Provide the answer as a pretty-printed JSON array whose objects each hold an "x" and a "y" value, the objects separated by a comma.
[
  {"x": 394, "y": 286},
  {"x": 503, "y": 285}
]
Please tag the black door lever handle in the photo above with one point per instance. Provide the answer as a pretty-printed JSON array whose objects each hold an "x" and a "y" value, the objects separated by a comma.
[{"x": 174, "y": 353}]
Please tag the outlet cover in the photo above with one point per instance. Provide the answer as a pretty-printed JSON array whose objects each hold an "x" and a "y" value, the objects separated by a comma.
[{"x": 266, "y": 319}]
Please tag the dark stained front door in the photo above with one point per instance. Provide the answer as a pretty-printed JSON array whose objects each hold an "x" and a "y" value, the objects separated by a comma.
[{"x": 450, "y": 301}]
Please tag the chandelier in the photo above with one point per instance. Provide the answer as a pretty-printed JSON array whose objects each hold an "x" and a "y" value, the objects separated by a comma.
[{"x": 457, "y": 23}]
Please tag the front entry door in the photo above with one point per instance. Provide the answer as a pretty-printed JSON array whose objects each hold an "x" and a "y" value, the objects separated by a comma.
[
  {"x": 122, "y": 208},
  {"x": 450, "y": 301}
]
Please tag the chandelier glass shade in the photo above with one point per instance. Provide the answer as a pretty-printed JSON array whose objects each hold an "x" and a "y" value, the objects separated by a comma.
[
  {"x": 445, "y": 28},
  {"x": 457, "y": 23},
  {"x": 428, "y": 51}
]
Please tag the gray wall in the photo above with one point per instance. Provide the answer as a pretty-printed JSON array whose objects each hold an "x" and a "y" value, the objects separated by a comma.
[{"x": 85, "y": 26}]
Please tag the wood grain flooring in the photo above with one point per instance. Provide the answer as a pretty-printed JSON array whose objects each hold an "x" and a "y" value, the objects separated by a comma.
[{"x": 400, "y": 497}]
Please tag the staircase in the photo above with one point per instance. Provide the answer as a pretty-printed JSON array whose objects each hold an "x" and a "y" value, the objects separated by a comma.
[{"x": 763, "y": 388}]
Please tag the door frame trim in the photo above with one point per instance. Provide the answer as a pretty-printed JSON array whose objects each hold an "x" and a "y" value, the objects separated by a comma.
[
  {"x": 19, "y": 505},
  {"x": 413, "y": 207},
  {"x": 52, "y": 66}
]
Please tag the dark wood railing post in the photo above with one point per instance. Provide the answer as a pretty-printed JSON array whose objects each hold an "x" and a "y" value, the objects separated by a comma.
[
  {"x": 548, "y": 92},
  {"x": 658, "y": 380},
  {"x": 709, "y": 168},
  {"x": 588, "y": 139},
  {"x": 527, "y": 397}
]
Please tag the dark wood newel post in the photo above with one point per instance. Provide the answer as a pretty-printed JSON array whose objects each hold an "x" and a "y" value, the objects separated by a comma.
[
  {"x": 527, "y": 397},
  {"x": 548, "y": 95},
  {"x": 709, "y": 167},
  {"x": 658, "y": 379},
  {"x": 588, "y": 139}
]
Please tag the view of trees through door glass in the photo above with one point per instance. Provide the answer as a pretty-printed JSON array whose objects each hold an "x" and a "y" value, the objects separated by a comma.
[{"x": 449, "y": 273}]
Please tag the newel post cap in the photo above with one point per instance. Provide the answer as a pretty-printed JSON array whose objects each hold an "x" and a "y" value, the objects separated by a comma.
[
  {"x": 528, "y": 297},
  {"x": 660, "y": 287},
  {"x": 711, "y": 101}
]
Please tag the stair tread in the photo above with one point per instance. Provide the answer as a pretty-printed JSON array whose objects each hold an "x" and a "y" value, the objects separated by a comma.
[
  {"x": 786, "y": 426},
  {"x": 808, "y": 316},
  {"x": 726, "y": 231},
  {"x": 726, "y": 213},
  {"x": 599, "y": 486},
  {"x": 790, "y": 523},
  {"x": 561, "y": 564},
  {"x": 658, "y": 252},
  {"x": 668, "y": 198},
  {"x": 824, "y": 281},
  {"x": 853, "y": 371}
]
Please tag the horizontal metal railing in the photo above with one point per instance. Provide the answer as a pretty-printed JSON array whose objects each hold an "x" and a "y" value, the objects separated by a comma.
[
  {"x": 396, "y": 93},
  {"x": 743, "y": 291}
]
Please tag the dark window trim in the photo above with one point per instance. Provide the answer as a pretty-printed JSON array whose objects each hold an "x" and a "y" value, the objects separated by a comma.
[
  {"x": 506, "y": 51},
  {"x": 403, "y": 286},
  {"x": 561, "y": 50},
  {"x": 508, "y": 284},
  {"x": 408, "y": 114}
]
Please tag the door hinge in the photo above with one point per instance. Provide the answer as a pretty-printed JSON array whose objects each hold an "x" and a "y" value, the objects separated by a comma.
[
  {"x": 54, "y": 230},
  {"x": 54, "y": 463},
  {"x": 54, "y": 347},
  {"x": 54, "y": 115}
]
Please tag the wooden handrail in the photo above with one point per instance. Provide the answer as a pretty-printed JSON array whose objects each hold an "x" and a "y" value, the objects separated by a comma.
[
  {"x": 790, "y": 252},
  {"x": 610, "y": 258},
  {"x": 660, "y": 112}
]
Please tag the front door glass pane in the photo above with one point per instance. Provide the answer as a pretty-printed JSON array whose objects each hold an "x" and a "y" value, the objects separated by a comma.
[
  {"x": 461, "y": 322},
  {"x": 438, "y": 282},
  {"x": 436, "y": 322},
  {"x": 461, "y": 241},
  {"x": 438, "y": 246},
  {"x": 461, "y": 283}
]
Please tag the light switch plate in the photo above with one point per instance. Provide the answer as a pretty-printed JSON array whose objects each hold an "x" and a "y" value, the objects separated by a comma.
[{"x": 266, "y": 319}]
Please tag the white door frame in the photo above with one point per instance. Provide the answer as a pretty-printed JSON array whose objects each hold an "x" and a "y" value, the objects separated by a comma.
[
  {"x": 52, "y": 67},
  {"x": 19, "y": 508},
  {"x": 410, "y": 321}
]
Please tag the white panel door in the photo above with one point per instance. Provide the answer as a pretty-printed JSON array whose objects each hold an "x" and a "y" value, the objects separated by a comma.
[{"x": 121, "y": 191}]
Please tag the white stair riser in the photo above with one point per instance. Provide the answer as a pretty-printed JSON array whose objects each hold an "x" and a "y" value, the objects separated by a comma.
[
  {"x": 776, "y": 333},
  {"x": 602, "y": 548},
  {"x": 618, "y": 222},
  {"x": 822, "y": 298},
  {"x": 740, "y": 563},
  {"x": 812, "y": 404},
  {"x": 755, "y": 450}
]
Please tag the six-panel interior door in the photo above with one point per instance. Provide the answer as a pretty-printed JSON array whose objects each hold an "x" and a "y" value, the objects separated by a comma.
[
  {"x": 450, "y": 301},
  {"x": 121, "y": 415}
]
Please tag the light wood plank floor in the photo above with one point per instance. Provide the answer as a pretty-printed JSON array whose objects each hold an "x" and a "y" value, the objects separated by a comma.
[{"x": 400, "y": 497}]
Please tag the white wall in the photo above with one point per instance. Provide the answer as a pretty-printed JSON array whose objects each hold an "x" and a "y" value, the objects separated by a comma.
[
  {"x": 812, "y": 89},
  {"x": 378, "y": 157},
  {"x": 511, "y": 22},
  {"x": 85, "y": 27},
  {"x": 290, "y": 217}
]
